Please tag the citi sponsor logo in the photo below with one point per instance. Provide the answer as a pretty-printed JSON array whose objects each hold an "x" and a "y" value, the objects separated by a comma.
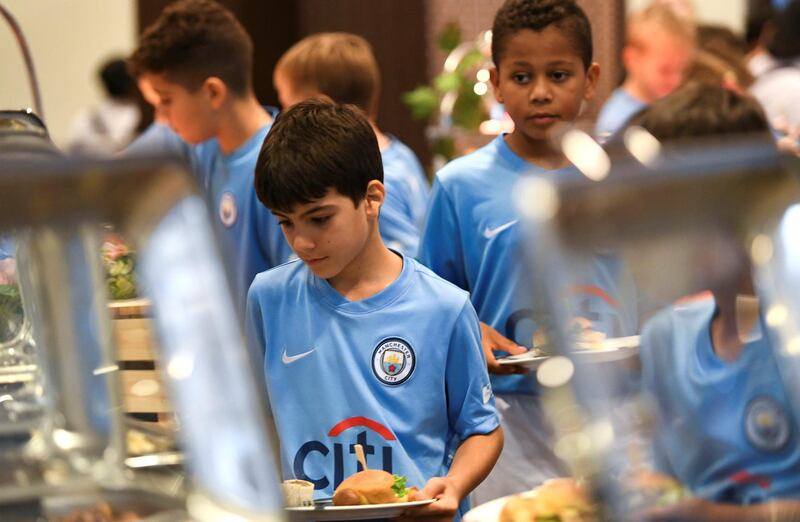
[{"x": 317, "y": 455}]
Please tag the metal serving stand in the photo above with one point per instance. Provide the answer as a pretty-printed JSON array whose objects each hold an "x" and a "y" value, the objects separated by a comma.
[
  {"x": 681, "y": 220},
  {"x": 62, "y": 436}
]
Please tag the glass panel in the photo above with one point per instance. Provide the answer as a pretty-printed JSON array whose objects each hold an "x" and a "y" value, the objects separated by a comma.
[
  {"x": 668, "y": 294},
  {"x": 75, "y": 448}
]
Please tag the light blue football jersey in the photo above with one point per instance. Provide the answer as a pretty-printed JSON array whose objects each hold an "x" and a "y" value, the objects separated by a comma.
[
  {"x": 471, "y": 238},
  {"x": 407, "y": 193},
  {"x": 616, "y": 112},
  {"x": 252, "y": 240},
  {"x": 401, "y": 373},
  {"x": 6, "y": 247},
  {"x": 727, "y": 429}
]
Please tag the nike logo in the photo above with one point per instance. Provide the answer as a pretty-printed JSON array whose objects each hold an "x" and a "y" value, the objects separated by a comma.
[
  {"x": 289, "y": 359},
  {"x": 489, "y": 233}
]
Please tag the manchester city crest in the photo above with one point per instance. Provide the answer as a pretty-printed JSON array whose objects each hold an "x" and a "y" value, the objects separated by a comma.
[
  {"x": 227, "y": 209},
  {"x": 766, "y": 424},
  {"x": 393, "y": 361}
]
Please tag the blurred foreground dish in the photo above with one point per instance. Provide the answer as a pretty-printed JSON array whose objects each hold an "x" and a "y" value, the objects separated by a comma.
[{"x": 557, "y": 500}]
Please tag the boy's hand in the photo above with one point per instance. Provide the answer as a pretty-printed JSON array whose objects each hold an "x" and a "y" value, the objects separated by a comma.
[
  {"x": 445, "y": 507},
  {"x": 493, "y": 341}
]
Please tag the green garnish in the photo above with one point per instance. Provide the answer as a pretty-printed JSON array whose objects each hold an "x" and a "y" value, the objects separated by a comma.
[{"x": 399, "y": 486}]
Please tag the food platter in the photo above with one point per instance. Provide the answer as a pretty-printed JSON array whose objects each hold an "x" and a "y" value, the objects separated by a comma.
[
  {"x": 614, "y": 349},
  {"x": 327, "y": 511},
  {"x": 488, "y": 512},
  {"x": 554, "y": 499},
  {"x": 607, "y": 350},
  {"x": 126, "y": 505}
]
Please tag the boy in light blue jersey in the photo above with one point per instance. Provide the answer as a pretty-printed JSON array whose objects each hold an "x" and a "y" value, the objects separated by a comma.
[
  {"x": 6, "y": 248},
  {"x": 659, "y": 45},
  {"x": 198, "y": 59},
  {"x": 8, "y": 266},
  {"x": 361, "y": 344},
  {"x": 726, "y": 427},
  {"x": 343, "y": 67},
  {"x": 729, "y": 433},
  {"x": 616, "y": 112},
  {"x": 407, "y": 194},
  {"x": 543, "y": 73}
]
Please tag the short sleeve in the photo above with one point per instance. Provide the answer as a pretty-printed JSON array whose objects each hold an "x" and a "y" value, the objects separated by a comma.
[
  {"x": 159, "y": 139},
  {"x": 470, "y": 401},
  {"x": 440, "y": 248},
  {"x": 256, "y": 342}
]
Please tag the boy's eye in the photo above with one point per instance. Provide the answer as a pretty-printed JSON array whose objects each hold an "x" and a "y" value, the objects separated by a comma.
[
  {"x": 559, "y": 76},
  {"x": 319, "y": 220},
  {"x": 521, "y": 77},
  {"x": 284, "y": 223}
]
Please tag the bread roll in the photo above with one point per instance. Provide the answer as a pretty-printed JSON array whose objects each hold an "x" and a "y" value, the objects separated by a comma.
[
  {"x": 372, "y": 486},
  {"x": 558, "y": 499}
]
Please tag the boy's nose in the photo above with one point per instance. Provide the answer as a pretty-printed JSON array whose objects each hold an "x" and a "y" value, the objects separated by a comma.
[
  {"x": 302, "y": 244},
  {"x": 540, "y": 93}
]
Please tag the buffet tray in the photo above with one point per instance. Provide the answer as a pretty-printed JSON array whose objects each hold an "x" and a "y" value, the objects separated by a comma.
[
  {"x": 149, "y": 506},
  {"x": 17, "y": 374}
]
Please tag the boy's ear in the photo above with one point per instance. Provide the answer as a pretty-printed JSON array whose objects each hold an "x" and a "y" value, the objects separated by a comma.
[
  {"x": 629, "y": 57},
  {"x": 376, "y": 194},
  {"x": 216, "y": 90},
  {"x": 494, "y": 78},
  {"x": 592, "y": 75}
]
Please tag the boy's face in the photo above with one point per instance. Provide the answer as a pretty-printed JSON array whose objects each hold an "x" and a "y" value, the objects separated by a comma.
[
  {"x": 657, "y": 64},
  {"x": 288, "y": 94},
  {"x": 329, "y": 233},
  {"x": 190, "y": 114},
  {"x": 542, "y": 81}
]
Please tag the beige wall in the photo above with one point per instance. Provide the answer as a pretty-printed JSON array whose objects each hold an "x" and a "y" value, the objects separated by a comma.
[{"x": 68, "y": 39}]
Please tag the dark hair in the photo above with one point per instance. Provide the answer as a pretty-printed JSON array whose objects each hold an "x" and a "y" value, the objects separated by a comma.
[
  {"x": 698, "y": 109},
  {"x": 760, "y": 14},
  {"x": 117, "y": 81},
  {"x": 536, "y": 15},
  {"x": 785, "y": 44},
  {"x": 313, "y": 147},
  {"x": 721, "y": 40},
  {"x": 193, "y": 40},
  {"x": 339, "y": 65},
  {"x": 720, "y": 58},
  {"x": 707, "y": 67}
]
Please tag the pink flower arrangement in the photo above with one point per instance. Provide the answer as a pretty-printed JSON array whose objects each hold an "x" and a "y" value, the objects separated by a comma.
[{"x": 119, "y": 263}]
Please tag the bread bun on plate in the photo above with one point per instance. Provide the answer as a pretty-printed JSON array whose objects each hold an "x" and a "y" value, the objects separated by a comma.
[
  {"x": 647, "y": 489},
  {"x": 372, "y": 486},
  {"x": 557, "y": 500}
]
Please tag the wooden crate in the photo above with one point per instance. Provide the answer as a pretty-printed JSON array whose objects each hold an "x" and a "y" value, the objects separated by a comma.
[{"x": 144, "y": 394}]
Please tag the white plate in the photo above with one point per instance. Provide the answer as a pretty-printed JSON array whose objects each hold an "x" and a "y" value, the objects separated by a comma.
[
  {"x": 488, "y": 512},
  {"x": 530, "y": 360},
  {"x": 330, "y": 512},
  {"x": 613, "y": 349}
]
